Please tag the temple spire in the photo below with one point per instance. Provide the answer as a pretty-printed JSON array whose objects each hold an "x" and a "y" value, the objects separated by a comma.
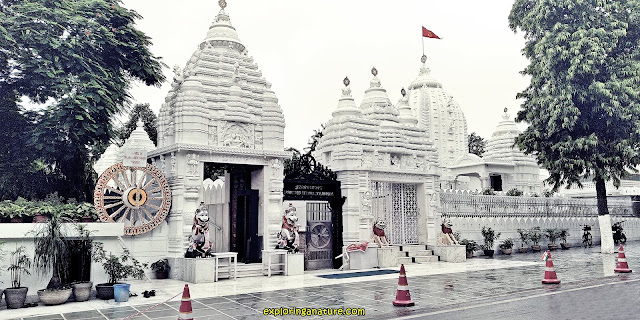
[{"x": 223, "y": 4}]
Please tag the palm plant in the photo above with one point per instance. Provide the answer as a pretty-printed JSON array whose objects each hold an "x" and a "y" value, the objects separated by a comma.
[
  {"x": 18, "y": 265},
  {"x": 490, "y": 236},
  {"x": 524, "y": 237},
  {"x": 52, "y": 250}
]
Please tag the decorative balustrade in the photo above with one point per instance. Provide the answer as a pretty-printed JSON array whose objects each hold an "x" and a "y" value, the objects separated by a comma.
[{"x": 466, "y": 204}]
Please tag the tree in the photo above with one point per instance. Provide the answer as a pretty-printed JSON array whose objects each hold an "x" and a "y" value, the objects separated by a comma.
[
  {"x": 149, "y": 118},
  {"x": 476, "y": 144},
  {"x": 77, "y": 58},
  {"x": 315, "y": 138},
  {"x": 582, "y": 103}
]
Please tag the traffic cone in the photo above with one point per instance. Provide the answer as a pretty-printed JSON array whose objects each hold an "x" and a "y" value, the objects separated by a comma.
[
  {"x": 403, "y": 297},
  {"x": 549, "y": 273},
  {"x": 185, "y": 305},
  {"x": 622, "y": 265}
]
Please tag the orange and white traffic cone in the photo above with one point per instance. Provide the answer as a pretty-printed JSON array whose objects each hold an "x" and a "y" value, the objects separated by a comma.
[
  {"x": 622, "y": 265},
  {"x": 403, "y": 298},
  {"x": 549, "y": 273},
  {"x": 185, "y": 305}
]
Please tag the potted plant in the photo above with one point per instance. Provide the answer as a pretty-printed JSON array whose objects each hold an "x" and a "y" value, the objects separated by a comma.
[
  {"x": 161, "y": 268},
  {"x": 42, "y": 211},
  {"x": 524, "y": 241},
  {"x": 535, "y": 235},
  {"x": 471, "y": 247},
  {"x": 86, "y": 212},
  {"x": 489, "y": 238},
  {"x": 515, "y": 192},
  {"x": 506, "y": 246},
  {"x": 52, "y": 255},
  {"x": 552, "y": 234},
  {"x": 84, "y": 245},
  {"x": 14, "y": 211},
  {"x": 19, "y": 264},
  {"x": 116, "y": 268},
  {"x": 564, "y": 233}
]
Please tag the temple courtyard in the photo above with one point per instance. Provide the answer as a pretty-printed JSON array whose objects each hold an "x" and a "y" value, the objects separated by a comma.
[{"x": 479, "y": 288}]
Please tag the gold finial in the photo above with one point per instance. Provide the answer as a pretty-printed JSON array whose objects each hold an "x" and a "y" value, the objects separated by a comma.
[
  {"x": 505, "y": 110},
  {"x": 424, "y": 58},
  {"x": 374, "y": 71},
  {"x": 222, "y": 3},
  {"x": 403, "y": 92},
  {"x": 346, "y": 81}
]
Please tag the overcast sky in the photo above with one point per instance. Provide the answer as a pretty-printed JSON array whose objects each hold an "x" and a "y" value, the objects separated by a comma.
[{"x": 305, "y": 49}]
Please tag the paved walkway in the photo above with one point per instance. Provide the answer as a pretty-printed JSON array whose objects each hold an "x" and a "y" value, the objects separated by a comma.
[{"x": 434, "y": 286}]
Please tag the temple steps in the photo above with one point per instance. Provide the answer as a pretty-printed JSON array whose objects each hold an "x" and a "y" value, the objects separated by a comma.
[{"x": 416, "y": 254}]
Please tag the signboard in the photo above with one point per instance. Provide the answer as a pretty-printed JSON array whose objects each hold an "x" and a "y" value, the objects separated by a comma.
[
  {"x": 134, "y": 158},
  {"x": 307, "y": 191}
]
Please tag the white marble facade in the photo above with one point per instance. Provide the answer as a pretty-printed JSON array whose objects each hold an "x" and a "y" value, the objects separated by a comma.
[{"x": 220, "y": 109}]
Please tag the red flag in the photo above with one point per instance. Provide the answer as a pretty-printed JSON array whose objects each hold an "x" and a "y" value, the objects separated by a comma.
[{"x": 428, "y": 34}]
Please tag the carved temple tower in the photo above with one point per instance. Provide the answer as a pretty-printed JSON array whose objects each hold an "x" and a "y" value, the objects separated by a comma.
[
  {"x": 221, "y": 110},
  {"x": 386, "y": 164}
]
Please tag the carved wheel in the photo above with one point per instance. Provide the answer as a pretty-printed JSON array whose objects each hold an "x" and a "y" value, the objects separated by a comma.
[
  {"x": 138, "y": 196},
  {"x": 320, "y": 236}
]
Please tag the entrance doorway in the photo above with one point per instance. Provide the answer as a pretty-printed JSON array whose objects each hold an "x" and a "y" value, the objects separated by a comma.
[
  {"x": 397, "y": 205},
  {"x": 496, "y": 182},
  {"x": 243, "y": 214}
]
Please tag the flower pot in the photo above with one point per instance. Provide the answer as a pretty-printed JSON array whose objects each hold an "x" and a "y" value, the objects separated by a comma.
[
  {"x": 39, "y": 218},
  {"x": 52, "y": 297},
  {"x": 506, "y": 251},
  {"x": 14, "y": 297},
  {"x": 17, "y": 220},
  {"x": 565, "y": 246},
  {"x": 552, "y": 247},
  {"x": 469, "y": 254},
  {"x": 536, "y": 247},
  {"x": 523, "y": 249},
  {"x": 87, "y": 219},
  {"x": 121, "y": 292},
  {"x": 104, "y": 291},
  {"x": 488, "y": 253},
  {"x": 162, "y": 274},
  {"x": 82, "y": 290}
]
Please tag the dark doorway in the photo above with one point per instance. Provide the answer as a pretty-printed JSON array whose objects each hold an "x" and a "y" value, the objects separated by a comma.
[
  {"x": 244, "y": 216},
  {"x": 496, "y": 183}
]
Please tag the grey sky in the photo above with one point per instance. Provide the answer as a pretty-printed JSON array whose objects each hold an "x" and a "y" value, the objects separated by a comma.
[{"x": 305, "y": 49}]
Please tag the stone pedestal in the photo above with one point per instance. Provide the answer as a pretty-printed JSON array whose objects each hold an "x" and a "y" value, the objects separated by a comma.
[
  {"x": 295, "y": 264},
  {"x": 364, "y": 260},
  {"x": 200, "y": 270},
  {"x": 387, "y": 257},
  {"x": 451, "y": 253}
]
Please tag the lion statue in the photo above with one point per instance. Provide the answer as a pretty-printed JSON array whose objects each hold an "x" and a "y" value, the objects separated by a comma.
[
  {"x": 379, "y": 236},
  {"x": 200, "y": 244},
  {"x": 288, "y": 237},
  {"x": 447, "y": 238}
]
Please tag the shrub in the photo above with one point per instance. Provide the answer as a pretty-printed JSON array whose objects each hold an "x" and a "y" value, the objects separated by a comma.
[
  {"x": 514, "y": 192},
  {"x": 118, "y": 268}
]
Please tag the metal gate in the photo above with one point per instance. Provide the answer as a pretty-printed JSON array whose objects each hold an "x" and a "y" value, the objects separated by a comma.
[
  {"x": 397, "y": 205},
  {"x": 319, "y": 253}
]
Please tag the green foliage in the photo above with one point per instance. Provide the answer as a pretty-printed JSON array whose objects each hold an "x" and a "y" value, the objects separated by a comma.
[
  {"x": 506, "y": 244},
  {"x": 490, "y": 236},
  {"x": 525, "y": 236},
  {"x": 564, "y": 233},
  {"x": 552, "y": 234},
  {"x": 583, "y": 102},
  {"x": 81, "y": 246},
  {"x": 149, "y": 118},
  {"x": 72, "y": 210},
  {"x": 19, "y": 264},
  {"x": 52, "y": 250},
  {"x": 161, "y": 265},
  {"x": 535, "y": 234},
  {"x": 118, "y": 268},
  {"x": 515, "y": 192},
  {"x": 477, "y": 144},
  {"x": 470, "y": 245},
  {"x": 488, "y": 192},
  {"x": 77, "y": 58}
]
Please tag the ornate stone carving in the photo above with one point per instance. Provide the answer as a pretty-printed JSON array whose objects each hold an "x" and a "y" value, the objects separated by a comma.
[
  {"x": 365, "y": 202},
  {"x": 259, "y": 138},
  {"x": 177, "y": 74},
  {"x": 237, "y": 136},
  {"x": 213, "y": 136},
  {"x": 192, "y": 162},
  {"x": 163, "y": 163},
  {"x": 170, "y": 130},
  {"x": 395, "y": 161},
  {"x": 173, "y": 162},
  {"x": 366, "y": 160},
  {"x": 275, "y": 168}
]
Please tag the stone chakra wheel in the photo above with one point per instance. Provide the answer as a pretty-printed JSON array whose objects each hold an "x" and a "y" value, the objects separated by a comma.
[{"x": 137, "y": 196}]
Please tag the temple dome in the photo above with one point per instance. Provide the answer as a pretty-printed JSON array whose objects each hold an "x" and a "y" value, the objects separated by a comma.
[
  {"x": 501, "y": 144},
  {"x": 440, "y": 115}
]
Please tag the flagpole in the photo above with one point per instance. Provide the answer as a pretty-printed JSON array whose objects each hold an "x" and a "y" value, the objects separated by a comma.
[{"x": 422, "y": 38}]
